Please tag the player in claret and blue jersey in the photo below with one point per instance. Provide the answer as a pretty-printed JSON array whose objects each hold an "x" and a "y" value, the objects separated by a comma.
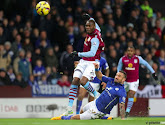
[
  {"x": 130, "y": 64},
  {"x": 113, "y": 94}
]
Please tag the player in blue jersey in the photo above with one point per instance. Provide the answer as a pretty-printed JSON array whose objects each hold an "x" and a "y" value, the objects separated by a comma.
[
  {"x": 113, "y": 94},
  {"x": 103, "y": 65}
]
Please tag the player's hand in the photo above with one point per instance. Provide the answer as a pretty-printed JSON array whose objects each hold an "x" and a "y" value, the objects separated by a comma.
[
  {"x": 73, "y": 54},
  {"x": 155, "y": 76},
  {"x": 86, "y": 17},
  {"x": 104, "y": 85},
  {"x": 96, "y": 65}
]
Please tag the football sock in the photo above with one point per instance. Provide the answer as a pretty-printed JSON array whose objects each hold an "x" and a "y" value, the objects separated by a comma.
[
  {"x": 78, "y": 106},
  {"x": 72, "y": 94},
  {"x": 66, "y": 117},
  {"x": 129, "y": 104},
  {"x": 88, "y": 87}
]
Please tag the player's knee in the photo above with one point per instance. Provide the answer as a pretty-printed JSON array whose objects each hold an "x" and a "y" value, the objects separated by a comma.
[
  {"x": 131, "y": 94},
  {"x": 75, "y": 81},
  {"x": 83, "y": 81}
]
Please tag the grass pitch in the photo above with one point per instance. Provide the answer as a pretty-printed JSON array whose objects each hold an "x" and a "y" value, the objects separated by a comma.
[{"x": 116, "y": 121}]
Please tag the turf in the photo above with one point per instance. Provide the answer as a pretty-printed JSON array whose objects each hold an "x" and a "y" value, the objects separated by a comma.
[{"x": 116, "y": 121}]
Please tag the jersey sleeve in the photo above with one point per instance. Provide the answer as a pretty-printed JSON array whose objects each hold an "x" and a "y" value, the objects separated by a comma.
[
  {"x": 120, "y": 65},
  {"x": 97, "y": 26},
  {"x": 142, "y": 61},
  {"x": 122, "y": 96},
  {"x": 106, "y": 79},
  {"x": 94, "y": 46}
]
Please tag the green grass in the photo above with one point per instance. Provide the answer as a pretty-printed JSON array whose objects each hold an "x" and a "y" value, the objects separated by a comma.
[{"x": 116, "y": 121}]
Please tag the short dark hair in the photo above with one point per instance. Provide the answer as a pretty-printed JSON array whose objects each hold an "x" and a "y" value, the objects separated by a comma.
[
  {"x": 131, "y": 47},
  {"x": 125, "y": 74}
]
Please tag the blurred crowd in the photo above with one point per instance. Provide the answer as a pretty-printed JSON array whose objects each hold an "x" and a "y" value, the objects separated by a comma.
[{"x": 35, "y": 49}]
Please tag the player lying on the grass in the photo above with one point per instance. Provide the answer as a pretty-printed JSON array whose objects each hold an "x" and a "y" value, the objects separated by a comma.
[
  {"x": 113, "y": 94},
  {"x": 103, "y": 65}
]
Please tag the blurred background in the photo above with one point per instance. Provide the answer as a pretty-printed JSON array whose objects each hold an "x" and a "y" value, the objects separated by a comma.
[{"x": 34, "y": 50}]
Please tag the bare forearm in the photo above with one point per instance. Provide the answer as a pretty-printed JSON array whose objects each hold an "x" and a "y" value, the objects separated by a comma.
[
  {"x": 99, "y": 75},
  {"x": 122, "y": 111},
  {"x": 107, "y": 72}
]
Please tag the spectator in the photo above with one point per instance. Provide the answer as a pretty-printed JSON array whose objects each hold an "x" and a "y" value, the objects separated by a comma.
[
  {"x": 4, "y": 78},
  {"x": 43, "y": 80},
  {"x": 19, "y": 81},
  {"x": 149, "y": 59},
  {"x": 21, "y": 65},
  {"x": 10, "y": 73},
  {"x": 27, "y": 45},
  {"x": 63, "y": 81},
  {"x": 5, "y": 59},
  {"x": 50, "y": 58},
  {"x": 17, "y": 45},
  {"x": 162, "y": 62},
  {"x": 112, "y": 61},
  {"x": 8, "y": 50},
  {"x": 37, "y": 55},
  {"x": 2, "y": 36},
  {"x": 54, "y": 76},
  {"x": 161, "y": 78},
  {"x": 31, "y": 80},
  {"x": 38, "y": 70},
  {"x": 66, "y": 62}
]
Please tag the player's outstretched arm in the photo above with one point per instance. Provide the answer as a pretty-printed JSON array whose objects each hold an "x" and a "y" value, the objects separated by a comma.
[
  {"x": 122, "y": 110},
  {"x": 97, "y": 71}
]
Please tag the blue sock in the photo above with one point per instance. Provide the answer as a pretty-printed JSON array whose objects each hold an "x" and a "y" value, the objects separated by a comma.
[
  {"x": 72, "y": 94},
  {"x": 66, "y": 117},
  {"x": 78, "y": 106},
  {"x": 104, "y": 117},
  {"x": 88, "y": 87},
  {"x": 129, "y": 104}
]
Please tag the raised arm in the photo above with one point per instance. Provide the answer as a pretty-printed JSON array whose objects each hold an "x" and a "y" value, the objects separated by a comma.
[
  {"x": 120, "y": 65},
  {"x": 94, "y": 46},
  {"x": 97, "y": 71}
]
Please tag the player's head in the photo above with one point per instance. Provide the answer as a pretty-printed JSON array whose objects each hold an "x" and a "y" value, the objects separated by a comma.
[
  {"x": 120, "y": 77},
  {"x": 90, "y": 26},
  {"x": 130, "y": 51}
]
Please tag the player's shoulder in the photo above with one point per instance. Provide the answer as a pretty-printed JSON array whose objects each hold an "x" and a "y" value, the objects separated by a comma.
[{"x": 102, "y": 59}]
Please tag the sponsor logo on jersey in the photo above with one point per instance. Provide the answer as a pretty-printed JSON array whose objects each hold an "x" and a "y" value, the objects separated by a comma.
[
  {"x": 126, "y": 60},
  {"x": 130, "y": 65}
]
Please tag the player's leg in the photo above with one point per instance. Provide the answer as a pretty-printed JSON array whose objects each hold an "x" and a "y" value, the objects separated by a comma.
[
  {"x": 96, "y": 86},
  {"x": 81, "y": 95},
  {"x": 131, "y": 93},
  {"x": 87, "y": 76},
  {"x": 73, "y": 91}
]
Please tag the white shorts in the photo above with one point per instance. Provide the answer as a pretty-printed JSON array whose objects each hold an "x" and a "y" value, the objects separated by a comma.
[
  {"x": 131, "y": 86},
  {"x": 90, "y": 111},
  {"x": 96, "y": 87},
  {"x": 86, "y": 69}
]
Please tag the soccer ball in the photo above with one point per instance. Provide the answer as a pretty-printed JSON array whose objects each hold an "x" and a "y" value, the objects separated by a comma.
[{"x": 43, "y": 8}]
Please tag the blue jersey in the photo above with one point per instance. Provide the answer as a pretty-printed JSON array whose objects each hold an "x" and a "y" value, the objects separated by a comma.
[
  {"x": 162, "y": 66},
  {"x": 103, "y": 66},
  {"x": 114, "y": 93}
]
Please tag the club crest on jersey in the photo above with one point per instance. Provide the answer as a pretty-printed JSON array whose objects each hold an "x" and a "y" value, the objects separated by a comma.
[
  {"x": 135, "y": 60},
  {"x": 116, "y": 89}
]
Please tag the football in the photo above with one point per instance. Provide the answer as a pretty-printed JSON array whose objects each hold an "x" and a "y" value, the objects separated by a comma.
[{"x": 43, "y": 8}]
